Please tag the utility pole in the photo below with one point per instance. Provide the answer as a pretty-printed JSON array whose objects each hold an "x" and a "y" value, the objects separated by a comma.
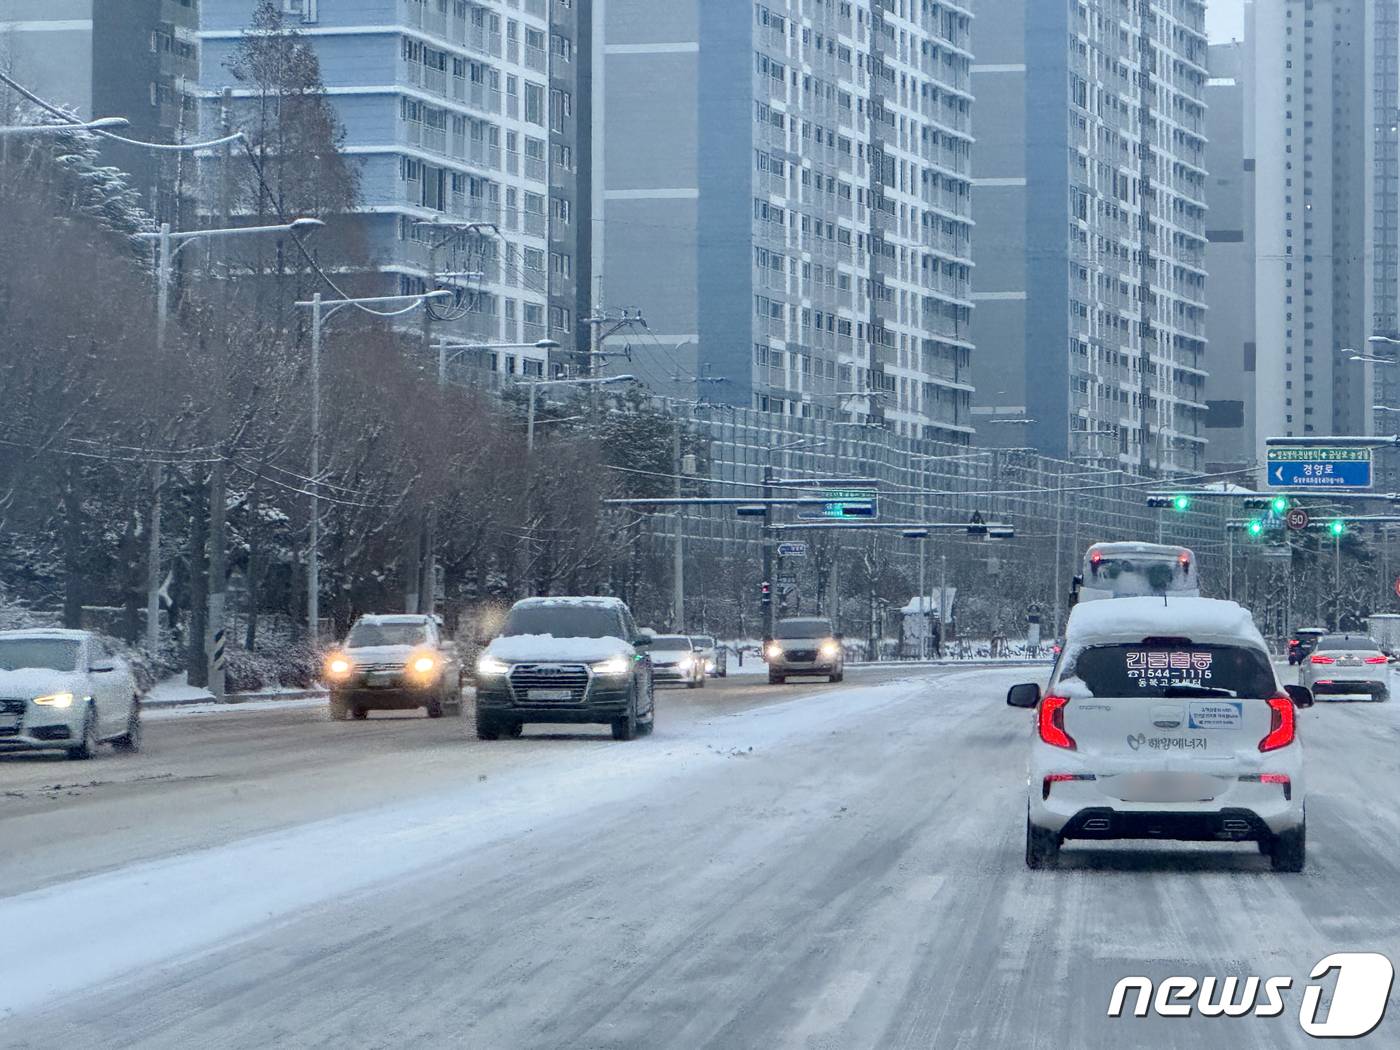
[
  {"x": 313, "y": 554},
  {"x": 923, "y": 603},
  {"x": 1059, "y": 525},
  {"x": 767, "y": 551},
  {"x": 218, "y": 481},
  {"x": 153, "y": 566},
  {"x": 678, "y": 565}
]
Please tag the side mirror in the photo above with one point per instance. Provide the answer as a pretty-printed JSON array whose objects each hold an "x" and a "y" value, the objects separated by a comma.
[
  {"x": 1026, "y": 695},
  {"x": 1301, "y": 695}
]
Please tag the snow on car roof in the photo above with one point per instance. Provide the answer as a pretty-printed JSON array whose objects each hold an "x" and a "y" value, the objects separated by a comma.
[
  {"x": 1202, "y": 620},
  {"x": 378, "y": 618},
  {"x": 597, "y": 601}
]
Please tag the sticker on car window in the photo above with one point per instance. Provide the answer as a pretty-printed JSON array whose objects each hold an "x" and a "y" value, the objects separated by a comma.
[
  {"x": 1168, "y": 668},
  {"x": 1214, "y": 714}
]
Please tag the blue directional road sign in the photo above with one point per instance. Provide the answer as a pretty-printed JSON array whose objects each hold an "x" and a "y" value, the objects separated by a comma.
[
  {"x": 846, "y": 503},
  {"x": 1320, "y": 468},
  {"x": 791, "y": 550}
]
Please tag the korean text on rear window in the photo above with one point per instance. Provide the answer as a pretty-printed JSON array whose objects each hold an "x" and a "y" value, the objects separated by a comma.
[{"x": 1154, "y": 670}]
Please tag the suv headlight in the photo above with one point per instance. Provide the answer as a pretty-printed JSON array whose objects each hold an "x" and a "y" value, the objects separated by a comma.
[
  {"x": 489, "y": 665},
  {"x": 830, "y": 649},
  {"x": 614, "y": 665},
  {"x": 423, "y": 664},
  {"x": 339, "y": 666},
  {"x": 775, "y": 651},
  {"x": 55, "y": 700}
]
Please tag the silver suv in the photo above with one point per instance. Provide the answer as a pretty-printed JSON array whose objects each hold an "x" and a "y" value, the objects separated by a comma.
[{"x": 804, "y": 645}]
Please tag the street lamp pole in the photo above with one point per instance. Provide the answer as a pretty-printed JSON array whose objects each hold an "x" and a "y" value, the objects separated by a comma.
[
  {"x": 319, "y": 315},
  {"x": 168, "y": 244}
]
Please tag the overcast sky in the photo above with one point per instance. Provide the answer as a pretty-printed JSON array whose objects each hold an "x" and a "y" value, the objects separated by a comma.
[{"x": 1224, "y": 20}]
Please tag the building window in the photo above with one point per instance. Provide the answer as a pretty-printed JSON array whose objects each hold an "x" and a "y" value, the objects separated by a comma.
[
  {"x": 534, "y": 104},
  {"x": 534, "y": 260}
]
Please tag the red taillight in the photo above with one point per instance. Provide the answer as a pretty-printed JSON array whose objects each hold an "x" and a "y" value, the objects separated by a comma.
[
  {"x": 1317, "y": 659},
  {"x": 1292, "y": 641},
  {"x": 1272, "y": 778},
  {"x": 1282, "y": 728},
  {"x": 1052, "y": 722},
  {"x": 1375, "y": 659}
]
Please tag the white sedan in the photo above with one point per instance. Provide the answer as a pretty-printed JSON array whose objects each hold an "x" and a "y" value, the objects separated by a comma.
[
  {"x": 1164, "y": 720},
  {"x": 63, "y": 690}
]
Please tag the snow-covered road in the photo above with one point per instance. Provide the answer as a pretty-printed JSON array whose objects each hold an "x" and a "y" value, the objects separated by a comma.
[{"x": 840, "y": 868}]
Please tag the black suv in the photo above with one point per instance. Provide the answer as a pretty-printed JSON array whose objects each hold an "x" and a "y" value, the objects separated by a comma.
[{"x": 572, "y": 660}]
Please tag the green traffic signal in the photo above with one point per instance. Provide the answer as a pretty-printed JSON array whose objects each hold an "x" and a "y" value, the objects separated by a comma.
[
  {"x": 1337, "y": 528},
  {"x": 1280, "y": 504},
  {"x": 1181, "y": 503},
  {"x": 1256, "y": 527}
]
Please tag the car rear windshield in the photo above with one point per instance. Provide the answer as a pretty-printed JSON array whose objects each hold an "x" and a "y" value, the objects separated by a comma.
[
  {"x": 563, "y": 621},
  {"x": 667, "y": 643},
  {"x": 703, "y": 641},
  {"x": 803, "y": 629},
  {"x": 1174, "y": 669},
  {"x": 364, "y": 635},
  {"x": 50, "y": 654},
  {"x": 1337, "y": 641}
]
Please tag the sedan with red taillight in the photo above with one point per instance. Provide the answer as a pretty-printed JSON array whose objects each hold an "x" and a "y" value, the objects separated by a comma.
[
  {"x": 1163, "y": 719},
  {"x": 1346, "y": 665}
]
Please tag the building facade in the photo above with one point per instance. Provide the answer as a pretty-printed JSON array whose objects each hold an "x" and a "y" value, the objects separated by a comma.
[
  {"x": 1106, "y": 239},
  {"x": 137, "y": 59},
  {"x": 462, "y": 119},
  {"x": 787, "y": 195},
  {"x": 1324, "y": 145},
  {"x": 1229, "y": 422}
]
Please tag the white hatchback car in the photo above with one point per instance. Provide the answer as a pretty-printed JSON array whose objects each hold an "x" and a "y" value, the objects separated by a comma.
[
  {"x": 1164, "y": 720},
  {"x": 62, "y": 690}
]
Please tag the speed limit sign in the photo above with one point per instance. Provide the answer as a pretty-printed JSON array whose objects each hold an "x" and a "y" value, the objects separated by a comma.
[
  {"x": 1297, "y": 519},
  {"x": 1397, "y": 586}
]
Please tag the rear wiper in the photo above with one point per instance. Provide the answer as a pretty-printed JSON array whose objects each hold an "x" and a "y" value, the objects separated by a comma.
[{"x": 1197, "y": 690}]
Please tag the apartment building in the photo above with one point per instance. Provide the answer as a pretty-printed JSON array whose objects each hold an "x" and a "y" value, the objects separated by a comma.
[
  {"x": 1232, "y": 347},
  {"x": 1091, "y": 244},
  {"x": 137, "y": 59},
  {"x": 460, "y": 117},
  {"x": 787, "y": 195}
]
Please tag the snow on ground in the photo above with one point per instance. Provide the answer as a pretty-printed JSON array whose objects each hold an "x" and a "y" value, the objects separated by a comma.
[
  {"x": 177, "y": 689},
  {"x": 185, "y": 710},
  {"x": 63, "y": 937}
]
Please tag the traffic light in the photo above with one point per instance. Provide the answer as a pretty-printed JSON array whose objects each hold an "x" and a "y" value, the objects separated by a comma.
[
  {"x": 751, "y": 510},
  {"x": 1279, "y": 505},
  {"x": 1256, "y": 527},
  {"x": 765, "y": 591},
  {"x": 1181, "y": 503},
  {"x": 1158, "y": 501},
  {"x": 1258, "y": 503},
  {"x": 1336, "y": 528}
]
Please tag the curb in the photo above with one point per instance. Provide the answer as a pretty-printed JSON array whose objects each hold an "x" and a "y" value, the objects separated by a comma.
[
  {"x": 232, "y": 699},
  {"x": 986, "y": 662}
]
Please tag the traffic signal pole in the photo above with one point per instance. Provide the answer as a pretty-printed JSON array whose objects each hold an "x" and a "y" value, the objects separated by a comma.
[{"x": 767, "y": 598}]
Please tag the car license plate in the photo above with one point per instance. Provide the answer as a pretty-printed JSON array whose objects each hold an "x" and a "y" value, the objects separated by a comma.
[
  {"x": 379, "y": 678},
  {"x": 550, "y": 694}
]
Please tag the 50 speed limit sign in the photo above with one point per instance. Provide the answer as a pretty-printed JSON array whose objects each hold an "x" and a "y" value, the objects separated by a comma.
[{"x": 1297, "y": 518}]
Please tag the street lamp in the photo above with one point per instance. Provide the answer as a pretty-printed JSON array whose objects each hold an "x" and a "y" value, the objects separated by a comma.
[
  {"x": 319, "y": 316},
  {"x": 536, "y": 383},
  {"x": 169, "y": 245},
  {"x": 460, "y": 348},
  {"x": 99, "y": 124}
]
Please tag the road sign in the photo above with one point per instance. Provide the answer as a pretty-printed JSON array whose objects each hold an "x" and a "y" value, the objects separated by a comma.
[
  {"x": 792, "y": 550},
  {"x": 1297, "y": 518},
  {"x": 846, "y": 503},
  {"x": 219, "y": 644},
  {"x": 1320, "y": 468},
  {"x": 787, "y": 577},
  {"x": 1397, "y": 585}
]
